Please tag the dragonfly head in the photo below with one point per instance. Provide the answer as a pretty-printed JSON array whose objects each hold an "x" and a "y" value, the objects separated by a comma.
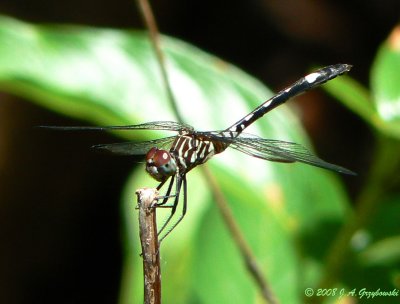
[{"x": 160, "y": 164}]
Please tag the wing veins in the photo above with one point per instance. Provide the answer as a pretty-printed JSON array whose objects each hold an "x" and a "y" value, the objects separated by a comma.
[
  {"x": 276, "y": 150},
  {"x": 154, "y": 125},
  {"x": 135, "y": 148}
]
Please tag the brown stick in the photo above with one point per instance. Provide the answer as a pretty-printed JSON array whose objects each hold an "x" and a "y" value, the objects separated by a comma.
[
  {"x": 151, "y": 24},
  {"x": 150, "y": 247}
]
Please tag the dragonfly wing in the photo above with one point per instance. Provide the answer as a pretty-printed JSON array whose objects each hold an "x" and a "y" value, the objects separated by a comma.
[
  {"x": 135, "y": 148},
  {"x": 160, "y": 125},
  {"x": 248, "y": 145},
  {"x": 154, "y": 125},
  {"x": 281, "y": 151}
]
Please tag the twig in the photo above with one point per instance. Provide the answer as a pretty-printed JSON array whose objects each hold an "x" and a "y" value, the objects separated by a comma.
[
  {"x": 150, "y": 247},
  {"x": 151, "y": 24},
  {"x": 245, "y": 250}
]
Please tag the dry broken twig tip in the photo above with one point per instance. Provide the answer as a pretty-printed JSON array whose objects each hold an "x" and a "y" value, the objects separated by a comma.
[{"x": 150, "y": 247}]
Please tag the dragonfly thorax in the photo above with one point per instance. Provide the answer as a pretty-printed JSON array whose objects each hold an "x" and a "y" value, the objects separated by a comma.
[{"x": 160, "y": 164}]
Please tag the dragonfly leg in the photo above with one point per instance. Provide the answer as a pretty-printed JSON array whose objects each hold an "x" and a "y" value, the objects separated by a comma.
[
  {"x": 184, "y": 207},
  {"x": 167, "y": 194},
  {"x": 179, "y": 180},
  {"x": 161, "y": 184}
]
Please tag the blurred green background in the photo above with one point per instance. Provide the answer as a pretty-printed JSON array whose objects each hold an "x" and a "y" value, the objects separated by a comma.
[{"x": 68, "y": 224}]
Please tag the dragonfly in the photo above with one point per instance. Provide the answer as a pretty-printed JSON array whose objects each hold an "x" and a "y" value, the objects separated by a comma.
[{"x": 172, "y": 157}]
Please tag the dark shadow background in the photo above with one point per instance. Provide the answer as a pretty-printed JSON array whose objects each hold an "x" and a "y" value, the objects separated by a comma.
[{"x": 59, "y": 203}]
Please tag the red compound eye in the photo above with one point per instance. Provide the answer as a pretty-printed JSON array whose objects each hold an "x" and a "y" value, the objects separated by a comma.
[
  {"x": 150, "y": 154},
  {"x": 161, "y": 158},
  {"x": 158, "y": 157},
  {"x": 160, "y": 164}
]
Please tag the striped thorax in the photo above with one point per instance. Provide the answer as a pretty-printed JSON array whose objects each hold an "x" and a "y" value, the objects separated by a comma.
[
  {"x": 187, "y": 152},
  {"x": 194, "y": 149}
]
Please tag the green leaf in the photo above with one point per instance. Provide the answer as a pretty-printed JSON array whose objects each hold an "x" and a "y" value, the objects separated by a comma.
[
  {"x": 382, "y": 235},
  {"x": 267, "y": 236},
  {"x": 108, "y": 76},
  {"x": 376, "y": 260},
  {"x": 385, "y": 79},
  {"x": 356, "y": 98},
  {"x": 383, "y": 252}
]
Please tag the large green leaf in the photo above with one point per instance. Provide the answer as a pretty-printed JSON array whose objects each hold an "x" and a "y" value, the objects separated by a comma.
[
  {"x": 385, "y": 79},
  {"x": 108, "y": 76}
]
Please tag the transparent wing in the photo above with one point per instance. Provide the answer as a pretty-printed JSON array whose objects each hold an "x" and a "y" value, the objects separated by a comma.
[
  {"x": 275, "y": 150},
  {"x": 154, "y": 125},
  {"x": 135, "y": 148}
]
